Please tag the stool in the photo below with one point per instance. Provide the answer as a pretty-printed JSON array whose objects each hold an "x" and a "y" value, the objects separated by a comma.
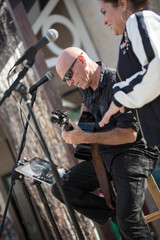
[{"x": 155, "y": 192}]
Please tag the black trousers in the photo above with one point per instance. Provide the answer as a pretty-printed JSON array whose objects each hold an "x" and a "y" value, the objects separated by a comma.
[{"x": 129, "y": 174}]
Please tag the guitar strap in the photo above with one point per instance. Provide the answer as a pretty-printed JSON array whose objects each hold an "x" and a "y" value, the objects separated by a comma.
[{"x": 102, "y": 175}]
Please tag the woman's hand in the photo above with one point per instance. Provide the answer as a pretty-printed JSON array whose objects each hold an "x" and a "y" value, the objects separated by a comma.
[{"x": 113, "y": 109}]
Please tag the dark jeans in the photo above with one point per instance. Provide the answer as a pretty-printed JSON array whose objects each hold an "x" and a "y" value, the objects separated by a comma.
[{"x": 129, "y": 173}]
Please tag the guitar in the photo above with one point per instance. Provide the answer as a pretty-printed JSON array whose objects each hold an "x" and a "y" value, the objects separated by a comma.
[
  {"x": 86, "y": 123},
  {"x": 83, "y": 151}
]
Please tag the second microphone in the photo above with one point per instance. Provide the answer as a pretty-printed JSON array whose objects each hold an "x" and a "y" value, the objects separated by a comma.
[{"x": 48, "y": 76}]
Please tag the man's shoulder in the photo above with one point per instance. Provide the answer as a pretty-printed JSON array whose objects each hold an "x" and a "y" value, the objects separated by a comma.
[
  {"x": 108, "y": 75},
  {"x": 106, "y": 68}
]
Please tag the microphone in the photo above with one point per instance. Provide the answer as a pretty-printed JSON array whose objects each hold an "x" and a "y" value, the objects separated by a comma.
[
  {"x": 48, "y": 76},
  {"x": 51, "y": 35}
]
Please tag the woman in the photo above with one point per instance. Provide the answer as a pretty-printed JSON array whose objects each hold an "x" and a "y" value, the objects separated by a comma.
[{"x": 138, "y": 70}]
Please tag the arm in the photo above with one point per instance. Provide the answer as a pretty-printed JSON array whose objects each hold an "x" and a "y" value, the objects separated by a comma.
[
  {"x": 113, "y": 109},
  {"x": 143, "y": 31},
  {"x": 115, "y": 136},
  {"x": 143, "y": 86}
]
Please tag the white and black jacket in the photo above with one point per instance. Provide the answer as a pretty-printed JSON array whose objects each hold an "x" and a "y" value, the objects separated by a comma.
[{"x": 139, "y": 72}]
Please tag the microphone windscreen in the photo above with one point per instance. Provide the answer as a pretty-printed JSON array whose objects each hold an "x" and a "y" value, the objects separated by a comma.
[
  {"x": 52, "y": 35},
  {"x": 50, "y": 75}
]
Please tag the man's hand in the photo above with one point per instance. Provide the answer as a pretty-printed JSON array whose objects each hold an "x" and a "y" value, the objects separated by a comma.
[
  {"x": 74, "y": 136},
  {"x": 113, "y": 109}
]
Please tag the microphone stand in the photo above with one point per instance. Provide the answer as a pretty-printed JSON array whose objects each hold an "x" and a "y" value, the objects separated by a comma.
[
  {"x": 13, "y": 175},
  {"x": 53, "y": 167},
  {"x": 56, "y": 174},
  {"x": 21, "y": 88},
  {"x": 21, "y": 75}
]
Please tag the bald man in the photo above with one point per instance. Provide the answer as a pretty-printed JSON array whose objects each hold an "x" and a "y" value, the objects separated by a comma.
[{"x": 125, "y": 158}]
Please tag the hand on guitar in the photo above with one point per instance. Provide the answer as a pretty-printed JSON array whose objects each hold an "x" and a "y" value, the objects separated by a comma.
[{"x": 74, "y": 136}]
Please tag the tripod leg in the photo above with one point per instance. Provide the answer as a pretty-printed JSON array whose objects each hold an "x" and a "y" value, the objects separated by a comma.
[{"x": 49, "y": 214}]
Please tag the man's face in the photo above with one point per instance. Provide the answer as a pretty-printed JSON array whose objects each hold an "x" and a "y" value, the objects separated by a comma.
[
  {"x": 79, "y": 78},
  {"x": 77, "y": 74}
]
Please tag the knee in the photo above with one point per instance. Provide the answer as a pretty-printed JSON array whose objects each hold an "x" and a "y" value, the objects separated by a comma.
[
  {"x": 67, "y": 189},
  {"x": 64, "y": 177},
  {"x": 128, "y": 222},
  {"x": 55, "y": 191}
]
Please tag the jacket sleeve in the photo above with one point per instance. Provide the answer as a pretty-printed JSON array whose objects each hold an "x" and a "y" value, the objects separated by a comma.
[{"x": 144, "y": 86}]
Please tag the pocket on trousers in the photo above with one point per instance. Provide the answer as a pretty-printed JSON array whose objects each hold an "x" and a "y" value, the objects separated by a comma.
[{"x": 139, "y": 165}]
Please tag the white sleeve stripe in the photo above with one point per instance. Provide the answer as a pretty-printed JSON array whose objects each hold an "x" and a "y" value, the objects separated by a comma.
[{"x": 144, "y": 86}]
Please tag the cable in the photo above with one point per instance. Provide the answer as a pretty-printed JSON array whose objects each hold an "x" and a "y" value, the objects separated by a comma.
[{"x": 19, "y": 106}]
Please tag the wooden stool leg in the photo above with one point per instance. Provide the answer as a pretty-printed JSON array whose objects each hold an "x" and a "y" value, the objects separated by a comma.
[{"x": 155, "y": 192}]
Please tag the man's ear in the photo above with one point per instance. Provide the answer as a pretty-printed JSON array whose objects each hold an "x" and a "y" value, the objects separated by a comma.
[{"x": 83, "y": 60}]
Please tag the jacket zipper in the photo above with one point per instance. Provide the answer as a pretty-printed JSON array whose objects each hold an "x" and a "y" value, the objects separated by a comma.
[{"x": 140, "y": 126}]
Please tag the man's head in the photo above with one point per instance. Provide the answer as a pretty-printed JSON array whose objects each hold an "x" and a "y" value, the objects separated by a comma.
[{"x": 76, "y": 68}]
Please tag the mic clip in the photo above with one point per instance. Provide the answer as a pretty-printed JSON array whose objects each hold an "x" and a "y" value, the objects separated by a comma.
[{"x": 21, "y": 75}]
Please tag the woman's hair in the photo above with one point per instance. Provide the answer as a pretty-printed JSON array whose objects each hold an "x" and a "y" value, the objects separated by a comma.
[{"x": 135, "y": 3}]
